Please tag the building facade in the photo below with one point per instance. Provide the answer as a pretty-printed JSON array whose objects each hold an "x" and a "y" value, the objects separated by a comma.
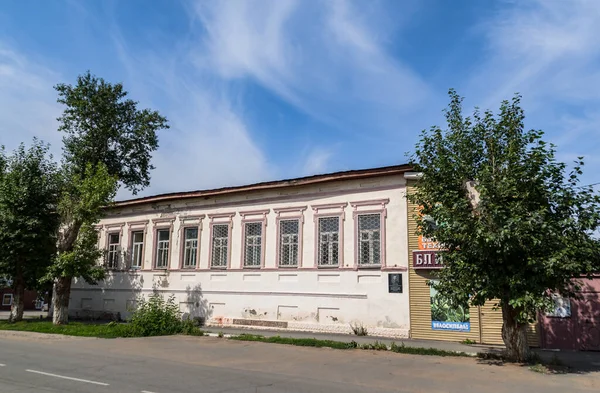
[
  {"x": 574, "y": 324},
  {"x": 432, "y": 317},
  {"x": 320, "y": 253}
]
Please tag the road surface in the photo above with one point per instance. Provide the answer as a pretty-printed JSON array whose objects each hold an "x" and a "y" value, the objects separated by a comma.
[{"x": 47, "y": 363}]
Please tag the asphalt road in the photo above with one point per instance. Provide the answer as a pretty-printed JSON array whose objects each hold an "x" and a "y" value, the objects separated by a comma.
[{"x": 37, "y": 363}]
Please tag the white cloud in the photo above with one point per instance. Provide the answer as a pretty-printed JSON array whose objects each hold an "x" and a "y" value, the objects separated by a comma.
[
  {"x": 327, "y": 58},
  {"x": 317, "y": 161},
  {"x": 28, "y": 105},
  {"x": 209, "y": 143},
  {"x": 547, "y": 50}
]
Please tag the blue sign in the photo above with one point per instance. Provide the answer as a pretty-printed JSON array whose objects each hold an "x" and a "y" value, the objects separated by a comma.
[{"x": 454, "y": 326}]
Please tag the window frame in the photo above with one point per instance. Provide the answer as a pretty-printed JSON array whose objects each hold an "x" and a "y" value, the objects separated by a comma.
[
  {"x": 4, "y": 295},
  {"x": 375, "y": 206},
  {"x": 289, "y": 214},
  {"x": 358, "y": 239},
  {"x": 156, "y": 245},
  {"x": 317, "y": 218},
  {"x": 227, "y": 265},
  {"x": 183, "y": 250},
  {"x": 279, "y": 221},
  {"x": 263, "y": 227},
  {"x": 132, "y": 244},
  {"x": 117, "y": 251}
]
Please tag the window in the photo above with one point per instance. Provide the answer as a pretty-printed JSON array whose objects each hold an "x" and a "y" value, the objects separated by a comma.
[
  {"x": 329, "y": 241},
  {"x": 113, "y": 251},
  {"x": 369, "y": 239},
  {"x": 7, "y": 299},
  {"x": 288, "y": 242},
  {"x": 190, "y": 247},
  {"x": 137, "y": 249},
  {"x": 162, "y": 248},
  {"x": 253, "y": 244},
  {"x": 220, "y": 245}
]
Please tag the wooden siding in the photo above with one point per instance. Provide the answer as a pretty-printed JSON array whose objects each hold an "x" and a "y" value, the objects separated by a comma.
[{"x": 486, "y": 322}]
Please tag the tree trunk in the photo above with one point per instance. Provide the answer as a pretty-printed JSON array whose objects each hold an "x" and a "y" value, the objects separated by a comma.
[
  {"x": 514, "y": 334},
  {"x": 60, "y": 300},
  {"x": 17, "y": 307}
]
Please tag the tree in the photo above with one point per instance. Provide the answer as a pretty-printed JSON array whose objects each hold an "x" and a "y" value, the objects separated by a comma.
[
  {"x": 102, "y": 126},
  {"x": 108, "y": 142},
  {"x": 81, "y": 202},
  {"x": 29, "y": 222},
  {"x": 516, "y": 229}
]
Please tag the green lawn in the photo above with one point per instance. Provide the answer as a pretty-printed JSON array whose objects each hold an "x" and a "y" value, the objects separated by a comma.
[{"x": 108, "y": 330}]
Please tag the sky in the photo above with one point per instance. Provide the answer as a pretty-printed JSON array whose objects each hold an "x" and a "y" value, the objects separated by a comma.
[{"x": 262, "y": 90}]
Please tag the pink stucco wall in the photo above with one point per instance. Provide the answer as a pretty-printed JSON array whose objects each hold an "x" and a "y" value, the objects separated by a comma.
[{"x": 580, "y": 331}]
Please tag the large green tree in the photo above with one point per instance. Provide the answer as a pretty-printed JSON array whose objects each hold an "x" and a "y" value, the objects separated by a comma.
[
  {"x": 108, "y": 142},
  {"x": 29, "y": 192},
  {"x": 515, "y": 225}
]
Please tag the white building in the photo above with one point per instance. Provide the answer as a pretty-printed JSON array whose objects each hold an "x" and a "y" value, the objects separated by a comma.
[{"x": 316, "y": 253}]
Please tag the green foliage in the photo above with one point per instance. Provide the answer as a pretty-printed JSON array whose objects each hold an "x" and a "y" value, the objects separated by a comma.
[
  {"x": 110, "y": 330},
  {"x": 376, "y": 346},
  {"x": 514, "y": 224},
  {"x": 29, "y": 193},
  {"x": 442, "y": 309},
  {"x": 82, "y": 200},
  {"x": 425, "y": 351},
  {"x": 107, "y": 141},
  {"x": 102, "y": 125},
  {"x": 81, "y": 260},
  {"x": 156, "y": 316},
  {"x": 302, "y": 342}
]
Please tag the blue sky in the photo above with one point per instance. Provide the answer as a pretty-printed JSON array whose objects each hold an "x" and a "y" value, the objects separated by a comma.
[{"x": 262, "y": 90}]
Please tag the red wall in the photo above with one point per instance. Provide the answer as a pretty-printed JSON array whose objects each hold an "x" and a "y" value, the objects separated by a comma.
[
  {"x": 581, "y": 331},
  {"x": 30, "y": 297}
]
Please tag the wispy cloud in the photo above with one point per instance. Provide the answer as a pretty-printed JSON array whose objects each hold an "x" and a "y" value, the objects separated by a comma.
[
  {"x": 317, "y": 161},
  {"x": 549, "y": 52},
  {"x": 28, "y": 105},
  {"x": 328, "y": 59},
  {"x": 209, "y": 143}
]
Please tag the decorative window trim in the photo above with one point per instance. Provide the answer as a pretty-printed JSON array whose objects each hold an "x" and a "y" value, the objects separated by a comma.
[
  {"x": 158, "y": 225},
  {"x": 143, "y": 223},
  {"x": 329, "y": 206},
  {"x": 130, "y": 247},
  {"x": 137, "y": 226},
  {"x": 298, "y": 215},
  {"x": 182, "y": 229},
  {"x": 262, "y": 212},
  {"x": 111, "y": 230},
  {"x": 383, "y": 217},
  {"x": 299, "y": 210},
  {"x": 10, "y": 295},
  {"x": 229, "y": 216},
  {"x": 263, "y": 222},
  {"x": 373, "y": 202},
  {"x": 317, "y": 243},
  {"x": 229, "y": 223}
]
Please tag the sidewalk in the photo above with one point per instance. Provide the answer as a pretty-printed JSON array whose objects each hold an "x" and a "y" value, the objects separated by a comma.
[
  {"x": 580, "y": 361},
  {"x": 29, "y": 314},
  {"x": 443, "y": 345}
]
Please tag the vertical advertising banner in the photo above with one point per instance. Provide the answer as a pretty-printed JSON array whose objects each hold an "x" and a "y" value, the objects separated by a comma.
[{"x": 447, "y": 316}]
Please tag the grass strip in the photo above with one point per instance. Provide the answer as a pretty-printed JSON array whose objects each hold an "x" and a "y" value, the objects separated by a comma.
[
  {"x": 301, "y": 342},
  {"x": 378, "y": 346},
  {"x": 79, "y": 329},
  {"x": 107, "y": 330}
]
